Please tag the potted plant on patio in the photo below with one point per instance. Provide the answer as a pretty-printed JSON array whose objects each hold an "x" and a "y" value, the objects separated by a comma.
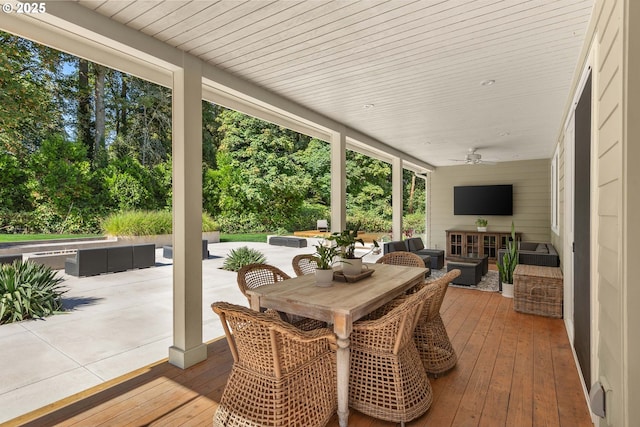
[
  {"x": 508, "y": 265},
  {"x": 346, "y": 240},
  {"x": 481, "y": 224},
  {"x": 325, "y": 258}
]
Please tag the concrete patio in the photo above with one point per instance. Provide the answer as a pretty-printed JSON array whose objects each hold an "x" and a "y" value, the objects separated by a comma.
[{"x": 117, "y": 323}]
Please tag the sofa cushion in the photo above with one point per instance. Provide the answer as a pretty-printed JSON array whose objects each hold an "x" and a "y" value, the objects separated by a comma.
[
  {"x": 528, "y": 246},
  {"x": 542, "y": 248},
  {"x": 414, "y": 244}
]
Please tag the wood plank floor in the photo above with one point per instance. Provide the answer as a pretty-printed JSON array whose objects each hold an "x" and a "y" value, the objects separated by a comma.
[{"x": 513, "y": 370}]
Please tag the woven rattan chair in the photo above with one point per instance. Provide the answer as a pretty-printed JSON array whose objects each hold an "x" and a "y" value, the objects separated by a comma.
[
  {"x": 387, "y": 380},
  {"x": 281, "y": 376},
  {"x": 406, "y": 259},
  {"x": 304, "y": 264},
  {"x": 253, "y": 276},
  {"x": 430, "y": 335}
]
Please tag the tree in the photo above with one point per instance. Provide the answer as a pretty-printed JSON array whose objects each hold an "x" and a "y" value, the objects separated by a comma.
[
  {"x": 61, "y": 175},
  {"x": 14, "y": 193},
  {"x": 257, "y": 176},
  {"x": 28, "y": 109}
]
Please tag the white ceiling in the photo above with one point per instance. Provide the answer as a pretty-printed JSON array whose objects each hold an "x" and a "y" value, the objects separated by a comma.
[{"x": 419, "y": 63}]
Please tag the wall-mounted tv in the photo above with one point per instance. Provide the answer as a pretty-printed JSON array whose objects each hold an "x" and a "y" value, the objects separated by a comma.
[{"x": 483, "y": 200}]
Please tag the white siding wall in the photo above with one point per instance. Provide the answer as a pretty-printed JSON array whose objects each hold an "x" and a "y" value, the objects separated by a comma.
[
  {"x": 615, "y": 43},
  {"x": 631, "y": 230},
  {"x": 531, "y": 198}
]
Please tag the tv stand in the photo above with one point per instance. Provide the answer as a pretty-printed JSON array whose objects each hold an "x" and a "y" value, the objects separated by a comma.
[{"x": 467, "y": 242}]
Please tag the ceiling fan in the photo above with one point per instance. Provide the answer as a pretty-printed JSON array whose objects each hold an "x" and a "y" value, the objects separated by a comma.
[{"x": 474, "y": 158}]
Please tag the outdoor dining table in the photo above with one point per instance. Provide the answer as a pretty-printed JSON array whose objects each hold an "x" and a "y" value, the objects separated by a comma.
[{"x": 340, "y": 305}]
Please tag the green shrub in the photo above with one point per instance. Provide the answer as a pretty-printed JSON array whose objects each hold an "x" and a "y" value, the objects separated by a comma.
[
  {"x": 29, "y": 291},
  {"x": 147, "y": 223},
  {"x": 415, "y": 222},
  {"x": 238, "y": 258}
]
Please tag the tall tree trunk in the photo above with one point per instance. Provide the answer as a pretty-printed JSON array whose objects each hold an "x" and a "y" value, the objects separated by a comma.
[
  {"x": 121, "y": 114},
  {"x": 84, "y": 107},
  {"x": 99, "y": 139},
  {"x": 412, "y": 192}
]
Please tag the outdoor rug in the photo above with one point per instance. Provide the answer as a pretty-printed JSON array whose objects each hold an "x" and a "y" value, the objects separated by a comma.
[{"x": 489, "y": 282}]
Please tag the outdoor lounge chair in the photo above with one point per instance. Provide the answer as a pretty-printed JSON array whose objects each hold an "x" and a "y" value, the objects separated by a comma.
[
  {"x": 322, "y": 225},
  {"x": 281, "y": 376}
]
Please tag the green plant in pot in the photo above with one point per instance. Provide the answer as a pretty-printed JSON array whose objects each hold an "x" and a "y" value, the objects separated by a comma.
[
  {"x": 508, "y": 265},
  {"x": 325, "y": 258},
  {"x": 481, "y": 223},
  {"x": 346, "y": 240}
]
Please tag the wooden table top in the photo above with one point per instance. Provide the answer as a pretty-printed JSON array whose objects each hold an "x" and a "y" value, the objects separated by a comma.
[{"x": 300, "y": 295}]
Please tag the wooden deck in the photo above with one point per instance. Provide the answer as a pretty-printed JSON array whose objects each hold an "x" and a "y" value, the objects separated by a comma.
[{"x": 514, "y": 370}]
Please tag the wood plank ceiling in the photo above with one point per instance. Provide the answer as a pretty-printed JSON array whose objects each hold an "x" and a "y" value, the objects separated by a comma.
[{"x": 407, "y": 73}]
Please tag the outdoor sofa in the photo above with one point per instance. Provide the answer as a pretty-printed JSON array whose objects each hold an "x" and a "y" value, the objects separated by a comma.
[
  {"x": 533, "y": 253},
  {"x": 94, "y": 261},
  {"x": 415, "y": 245}
]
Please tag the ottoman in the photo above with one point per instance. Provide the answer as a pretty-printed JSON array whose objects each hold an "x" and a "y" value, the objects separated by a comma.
[{"x": 470, "y": 272}]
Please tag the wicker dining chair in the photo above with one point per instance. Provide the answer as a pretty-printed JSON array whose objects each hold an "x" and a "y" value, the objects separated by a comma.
[
  {"x": 387, "y": 380},
  {"x": 404, "y": 258},
  {"x": 304, "y": 264},
  {"x": 281, "y": 376},
  {"x": 253, "y": 276},
  {"x": 430, "y": 336}
]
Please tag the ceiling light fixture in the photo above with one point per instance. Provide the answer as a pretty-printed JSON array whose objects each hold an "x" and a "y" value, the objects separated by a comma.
[
  {"x": 487, "y": 82},
  {"x": 368, "y": 106}
]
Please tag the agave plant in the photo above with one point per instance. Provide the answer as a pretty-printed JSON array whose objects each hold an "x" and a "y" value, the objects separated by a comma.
[
  {"x": 29, "y": 291},
  {"x": 238, "y": 258}
]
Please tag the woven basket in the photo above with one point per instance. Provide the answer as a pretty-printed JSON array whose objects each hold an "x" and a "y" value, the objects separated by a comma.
[{"x": 538, "y": 290}]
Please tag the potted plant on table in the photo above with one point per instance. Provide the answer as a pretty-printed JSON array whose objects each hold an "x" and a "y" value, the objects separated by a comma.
[
  {"x": 481, "y": 224},
  {"x": 346, "y": 240},
  {"x": 325, "y": 258},
  {"x": 508, "y": 265}
]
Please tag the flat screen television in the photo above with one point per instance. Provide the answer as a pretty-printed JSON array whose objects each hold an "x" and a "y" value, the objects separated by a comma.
[{"x": 483, "y": 200}]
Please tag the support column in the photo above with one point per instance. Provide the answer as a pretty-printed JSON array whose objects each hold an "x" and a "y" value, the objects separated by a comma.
[
  {"x": 188, "y": 348},
  {"x": 338, "y": 182},
  {"x": 396, "y": 198}
]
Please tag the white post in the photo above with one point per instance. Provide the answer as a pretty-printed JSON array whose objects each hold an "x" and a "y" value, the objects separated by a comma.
[
  {"x": 188, "y": 348},
  {"x": 338, "y": 181},
  {"x": 396, "y": 198}
]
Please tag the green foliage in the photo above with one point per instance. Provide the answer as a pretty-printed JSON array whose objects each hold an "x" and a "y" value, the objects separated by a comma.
[
  {"x": 347, "y": 239},
  {"x": 29, "y": 291},
  {"x": 510, "y": 258},
  {"x": 130, "y": 185},
  {"x": 28, "y": 78},
  {"x": 147, "y": 223},
  {"x": 326, "y": 255},
  {"x": 10, "y": 238},
  {"x": 61, "y": 175},
  {"x": 481, "y": 222},
  {"x": 238, "y": 258},
  {"x": 14, "y": 193},
  {"x": 369, "y": 221},
  {"x": 258, "y": 178},
  {"x": 415, "y": 222},
  {"x": 244, "y": 237}
]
